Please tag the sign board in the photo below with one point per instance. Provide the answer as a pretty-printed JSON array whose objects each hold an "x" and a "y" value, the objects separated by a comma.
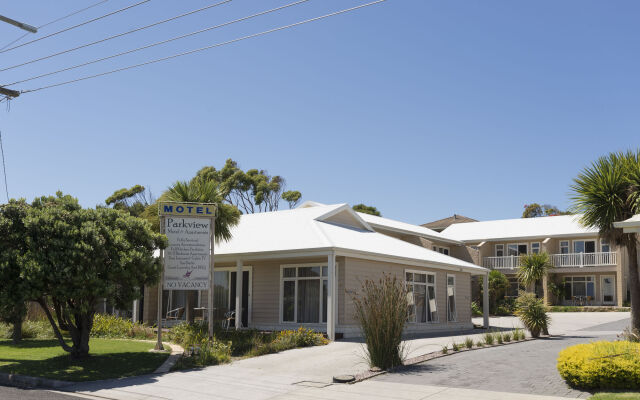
[
  {"x": 186, "y": 260},
  {"x": 187, "y": 209}
]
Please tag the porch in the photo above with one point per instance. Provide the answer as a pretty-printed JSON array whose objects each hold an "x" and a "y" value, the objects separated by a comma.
[{"x": 566, "y": 260}]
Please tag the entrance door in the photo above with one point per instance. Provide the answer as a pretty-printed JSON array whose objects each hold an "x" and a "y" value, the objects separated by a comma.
[
  {"x": 245, "y": 296},
  {"x": 608, "y": 289}
]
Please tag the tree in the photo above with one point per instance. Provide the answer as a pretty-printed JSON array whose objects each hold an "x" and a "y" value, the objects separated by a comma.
[
  {"x": 76, "y": 257},
  {"x": 199, "y": 190},
  {"x": 533, "y": 268},
  {"x": 134, "y": 200},
  {"x": 250, "y": 191},
  {"x": 13, "y": 290},
  {"x": 606, "y": 192},
  {"x": 498, "y": 286},
  {"x": 535, "y": 210},
  {"x": 367, "y": 209}
]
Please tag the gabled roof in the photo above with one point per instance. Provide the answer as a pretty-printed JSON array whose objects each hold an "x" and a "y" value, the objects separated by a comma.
[
  {"x": 323, "y": 228},
  {"x": 629, "y": 225},
  {"x": 443, "y": 223},
  {"x": 519, "y": 228}
]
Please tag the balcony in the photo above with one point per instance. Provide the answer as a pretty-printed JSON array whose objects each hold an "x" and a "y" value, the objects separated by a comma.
[{"x": 571, "y": 260}]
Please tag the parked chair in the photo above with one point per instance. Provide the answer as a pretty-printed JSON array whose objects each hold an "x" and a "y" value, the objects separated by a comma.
[
  {"x": 229, "y": 316},
  {"x": 175, "y": 314}
]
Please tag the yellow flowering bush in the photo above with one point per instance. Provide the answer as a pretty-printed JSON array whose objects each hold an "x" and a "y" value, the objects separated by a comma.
[{"x": 601, "y": 365}]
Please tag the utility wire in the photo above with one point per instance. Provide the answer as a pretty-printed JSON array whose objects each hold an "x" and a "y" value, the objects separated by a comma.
[
  {"x": 4, "y": 168},
  {"x": 54, "y": 21},
  {"x": 158, "y": 43},
  {"x": 207, "y": 47},
  {"x": 76, "y": 26},
  {"x": 115, "y": 36}
]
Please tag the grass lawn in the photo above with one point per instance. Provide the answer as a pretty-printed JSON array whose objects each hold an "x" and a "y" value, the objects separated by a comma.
[
  {"x": 109, "y": 358},
  {"x": 615, "y": 396}
]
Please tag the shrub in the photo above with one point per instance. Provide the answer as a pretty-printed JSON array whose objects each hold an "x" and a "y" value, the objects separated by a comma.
[
  {"x": 480, "y": 343},
  {"x": 445, "y": 349},
  {"x": 498, "y": 337},
  {"x": 506, "y": 337},
  {"x": 532, "y": 313},
  {"x": 488, "y": 338},
  {"x": 31, "y": 329},
  {"x": 110, "y": 326},
  {"x": 476, "y": 311},
  {"x": 518, "y": 334},
  {"x": 601, "y": 365},
  {"x": 468, "y": 343},
  {"x": 506, "y": 307},
  {"x": 381, "y": 311},
  {"x": 455, "y": 346},
  {"x": 630, "y": 335}
]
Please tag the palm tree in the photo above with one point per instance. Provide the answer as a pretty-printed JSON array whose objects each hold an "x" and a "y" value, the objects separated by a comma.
[
  {"x": 606, "y": 192},
  {"x": 199, "y": 190},
  {"x": 533, "y": 268}
]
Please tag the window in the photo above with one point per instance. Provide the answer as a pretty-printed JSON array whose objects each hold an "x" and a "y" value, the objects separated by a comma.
[
  {"x": 535, "y": 248},
  {"x": 516, "y": 249},
  {"x": 499, "y": 250},
  {"x": 514, "y": 287},
  {"x": 575, "y": 286},
  {"x": 604, "y": 246},
  {"x": 584, "y": 246},
  {"x": 564, "y": 247},
  {"x": 451, "y": 298},
  {"x": 421, "y": 293},
  {"x": 443, "y": 250},
  {"x": 304, "y": 294}
]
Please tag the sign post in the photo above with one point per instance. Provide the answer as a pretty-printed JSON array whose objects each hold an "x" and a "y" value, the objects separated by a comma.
[{"x": 187, "y": 263}]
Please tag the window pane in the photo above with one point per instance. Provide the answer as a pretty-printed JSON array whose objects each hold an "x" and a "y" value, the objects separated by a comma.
[
  {"x": 567, "y": 290},
  {"x": 412, "y": 303},
  {"x": 535, "y": 248},
  {"x": 324, "y": 299},
  {"x": 590, "y": 247},
  {"x": 578, "y": 247},
  {"x": 579, "y": 278},
  {"x": 220, "y": 294},
  {"x": 420, "y": 278},
  {"x": 591, "y": 290},
  {"x": 308, "y": 272},
  {"x": 522, "y": 249},
  {"x": 430, "y": 278},
  {"x": 445, "y": 252},
  {"x": 512, "y": 250},
  {"x": 433, "y": 311},
  {"x": 289, "y": 273},
  {"x": 451, "y": 280},
  {"x": 451, "y": 303},
  {"x": 605, "y": 247},
  {"x": 409, "y": 277},
  {"x": 309, "y": 300},
  {"x": 579, "y": 289},
  {"x": 325, "y": 271},
  {"x": 564, "y": 247},
  {"x": 288, "y": 301},
  {"x": 420, "y": 303}
]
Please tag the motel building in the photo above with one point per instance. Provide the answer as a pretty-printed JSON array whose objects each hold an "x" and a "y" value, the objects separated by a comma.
[{"x": 302, "y": 267}]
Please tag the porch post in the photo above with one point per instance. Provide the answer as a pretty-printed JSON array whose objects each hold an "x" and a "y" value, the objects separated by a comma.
[
  {"x": 545, "y": 290},
  {"x": 331, "y": 272},
  {"x": 485, "y": 301},
  {"x": 134, "y": 311},
  {"x": 238, "y": 294}
]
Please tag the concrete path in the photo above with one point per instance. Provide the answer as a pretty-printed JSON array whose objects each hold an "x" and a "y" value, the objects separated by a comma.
[{"x": 302, "y": 370}]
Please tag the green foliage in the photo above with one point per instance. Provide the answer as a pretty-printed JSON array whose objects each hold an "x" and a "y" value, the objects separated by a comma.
[
  {"x": 381, "y": 311},
  {"x": 498, "y": 286},
  {"x": 518, "y": 334},
  {"x": 506, "y": 337},
  {"x": 489, "y": 338},
  {"x": 601, "y": 365},
  {"x": 455, "y": 346},
  {"x": 506, "y": 306},
  {"x": 110, "y": 326},
  {"x": 468, "y": 343},
  {"x": 363, "y": 208},
  {"x": 533, "y": 313},
  {"x": 250, "y": 191},
  {"x": 533, "y": 267},
  {"x": 616, "y": 396},
  {"x": 479, "y": 343},
  {"x": 534, "y": 210},
  {"x": 445, "y": 349},
  {"x": 134, "y": 200},
  {"x": 499, "y": 338},
  {"x": 476, "y": 310},
  {"x": 36, "y": 329}
]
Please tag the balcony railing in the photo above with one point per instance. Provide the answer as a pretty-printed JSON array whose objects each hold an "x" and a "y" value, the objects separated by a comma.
[{"x": 571, "y": 260}]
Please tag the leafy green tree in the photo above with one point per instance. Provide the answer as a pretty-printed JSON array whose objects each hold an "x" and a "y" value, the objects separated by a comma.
[
  {"x": 76, "y": 257},
  {"x": 367, "y": 209},
  {"x": 498, "y": 286},
  {"x": 606, "y": 192},
  {"x": 199, "y": 190},
  {"x": 13, "y": 287},
  {"x": 534, "y": 210},
  {"x": 250, "y": 191},
  {"x": 533, "y": 267}
]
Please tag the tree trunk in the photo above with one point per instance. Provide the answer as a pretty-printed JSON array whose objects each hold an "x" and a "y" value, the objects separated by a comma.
[
  {"x": 80, "y": 336},
  {"x": 16, "y": 337},
  {"x": 634, "y": 284}
]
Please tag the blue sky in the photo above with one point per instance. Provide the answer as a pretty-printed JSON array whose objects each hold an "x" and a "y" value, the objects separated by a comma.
[{"x": 420, "y": 108}]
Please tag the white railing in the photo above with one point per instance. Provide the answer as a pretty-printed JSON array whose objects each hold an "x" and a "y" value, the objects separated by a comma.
[
  {"x": 570, "y": 260},
  {"x": 583, "y": 259}
]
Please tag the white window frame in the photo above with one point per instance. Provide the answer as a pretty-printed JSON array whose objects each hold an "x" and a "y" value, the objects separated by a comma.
[
  {"x": 296, "y": 279},
  {"x": 568, "y": 246},
  {"x": 442, "y": 249},
  {"x": 604, "y": 242},
  {"x": 427, "y": 284},
  {"x": 573, "y": 245},
  {"x": 602, "y": 289},
  {"x": 234, "y": 269},
  {"x": 455, "y": 299},
  {"x": 501, "y": 248},
  {"x": 593, "y": 279},
  {"x": 518, "y": 245},
  {"x": 531, "y": 247}
]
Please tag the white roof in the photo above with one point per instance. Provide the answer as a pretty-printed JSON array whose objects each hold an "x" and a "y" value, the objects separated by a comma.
[
  {"x": 321, "y": 227},
  {"x": 629, "y": 225},
  {"x": 557, "y": 226}
]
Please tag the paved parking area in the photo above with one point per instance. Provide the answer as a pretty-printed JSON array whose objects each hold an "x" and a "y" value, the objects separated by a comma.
[{"x": 527, "y": 368}]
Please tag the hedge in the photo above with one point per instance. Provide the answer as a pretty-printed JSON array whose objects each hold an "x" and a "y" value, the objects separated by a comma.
[{"x": 601, "y": 365}]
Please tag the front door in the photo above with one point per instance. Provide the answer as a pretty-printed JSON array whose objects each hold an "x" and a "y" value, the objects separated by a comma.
[{"x": 608, "y": 289}]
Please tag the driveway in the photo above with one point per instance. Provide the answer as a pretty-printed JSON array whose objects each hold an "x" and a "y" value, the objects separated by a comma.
[
  {"x": 311, "y": 370},
  {"x": 527, "y": 368}
]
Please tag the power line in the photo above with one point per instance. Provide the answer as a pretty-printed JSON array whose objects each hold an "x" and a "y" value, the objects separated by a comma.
[
  {"x": 158, "y": 43},
  {"x": 115, "y": 36},
  {"x": 76, "y": 26},
  {"x": 54, "y": 21},
  {"x": 207, "y": 47},
  {"x": 4, "y": 168}
]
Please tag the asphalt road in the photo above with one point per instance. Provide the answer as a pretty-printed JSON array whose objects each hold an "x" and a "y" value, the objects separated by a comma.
[{"x": 528, "y": 367}]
